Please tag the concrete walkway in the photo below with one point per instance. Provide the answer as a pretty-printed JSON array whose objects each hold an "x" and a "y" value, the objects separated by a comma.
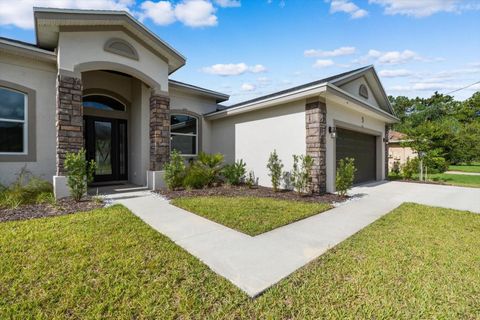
[
  {"x": 464, "y": 173},
  {"x": 255, "y": 263}
]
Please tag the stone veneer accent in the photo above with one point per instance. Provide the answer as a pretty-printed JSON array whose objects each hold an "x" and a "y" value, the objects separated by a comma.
[
  {"x": 159, "y": 131},
  {"x": 316, "y": 130},
  {"x": 69, "y": 118}
]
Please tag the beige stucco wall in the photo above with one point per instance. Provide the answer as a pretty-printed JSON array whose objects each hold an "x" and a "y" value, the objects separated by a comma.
[
  {"x": 399, "y": 153},
  {"x": 41, "y": 77},
  {"x": 252, "y": 136},
  {"x": 199, "y": 105},
  {"x": 83, "y": 51},
  {"x": 342, "y": 116},
  {"x": 353, "y": 86}
]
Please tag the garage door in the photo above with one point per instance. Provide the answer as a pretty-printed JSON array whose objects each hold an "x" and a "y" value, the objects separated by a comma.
[{"x": 361, "y": 147}]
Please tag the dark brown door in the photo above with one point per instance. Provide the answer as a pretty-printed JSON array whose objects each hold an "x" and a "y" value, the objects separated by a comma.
[
  {"x": 361, "y": 147},
  {"x": 106, "y": 143}
]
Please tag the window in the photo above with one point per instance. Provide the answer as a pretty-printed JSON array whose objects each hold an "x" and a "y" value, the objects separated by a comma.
[
  {"x": 363, "y": 91},
  {"x": 13, "y": 125},
  {"x": 103, "y": 102},
  {"x": 183, "y": 134}
]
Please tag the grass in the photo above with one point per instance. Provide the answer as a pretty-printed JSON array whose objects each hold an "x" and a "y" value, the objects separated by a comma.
[
  {"x": 461, "y": 180},
  {"x": 250, "y": 215},
  {"x": 475, "y": 167},
  {"x": 416, "y": 262}
]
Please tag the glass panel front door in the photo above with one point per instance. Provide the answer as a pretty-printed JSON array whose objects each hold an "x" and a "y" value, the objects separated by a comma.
[{"x": 106, "y": 143}]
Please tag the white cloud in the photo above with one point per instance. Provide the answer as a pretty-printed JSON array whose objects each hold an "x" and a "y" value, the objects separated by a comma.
[
  {"x": 342, "y": 51},
  {"x": 425, "y": 8},
  {"x": 196, "y": 13},
  {"x": 349, "y": 7},
  {"x": 160, "y": 12},
  {"x": 233, "y": 69},
  {"x": 320, "y": 63},
  {"x": 395, "y": 73},
  {"x": 248, "y": 87},
  {"x": 20, "y": 13},
  {"x": 228, "y": 3}
]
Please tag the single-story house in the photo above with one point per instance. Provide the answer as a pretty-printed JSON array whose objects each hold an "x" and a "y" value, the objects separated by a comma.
[
  {"x": 99, "y": 80},
  {"x": 397, "y": 151}
]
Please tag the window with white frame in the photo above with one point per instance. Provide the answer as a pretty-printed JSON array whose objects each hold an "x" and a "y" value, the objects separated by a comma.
[
  {"x": 184, "y": 134},
  {"x": 13, "y": 121}
]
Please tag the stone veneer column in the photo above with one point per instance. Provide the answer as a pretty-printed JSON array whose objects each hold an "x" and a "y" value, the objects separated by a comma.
[
  {"x": 159, "y": 131},
  {"x": 69, "y": 118},
  {"x": 316, "y": 130}
]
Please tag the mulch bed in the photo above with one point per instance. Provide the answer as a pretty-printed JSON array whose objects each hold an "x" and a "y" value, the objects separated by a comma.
[
  {"x": 243, "y": 191},
  {"x": 63, "y": 206}
]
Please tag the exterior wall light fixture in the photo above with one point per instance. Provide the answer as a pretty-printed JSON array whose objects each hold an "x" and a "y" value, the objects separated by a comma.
[{"x": 333, "y": 132}]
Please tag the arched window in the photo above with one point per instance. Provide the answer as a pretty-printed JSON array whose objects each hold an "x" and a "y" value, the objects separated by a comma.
[
  {"x": 103, "y": 102},
  {"x": 363, "y": 91},
  {"x": 184, "y": 134},
  {"x": 13, "y": 121}
]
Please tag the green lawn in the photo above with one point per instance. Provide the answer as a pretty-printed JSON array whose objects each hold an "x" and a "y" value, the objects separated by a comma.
[
  {"x": 456, "y": 179},
  {"x": 475, "y": 167},
  {"x": 416, "y": 262},
  {"x": 250, "y": 215}
]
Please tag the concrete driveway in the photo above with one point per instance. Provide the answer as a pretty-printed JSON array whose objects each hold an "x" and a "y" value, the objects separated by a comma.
[{"x": 255, "y": 263}]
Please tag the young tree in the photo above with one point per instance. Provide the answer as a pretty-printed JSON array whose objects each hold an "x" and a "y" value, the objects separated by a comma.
[{"x": 275, "y": 166}]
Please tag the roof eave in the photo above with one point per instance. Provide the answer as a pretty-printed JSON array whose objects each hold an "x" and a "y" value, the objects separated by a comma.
[
  {"x": 29, "y": 51},
  {"x": 219, "y": 97}
]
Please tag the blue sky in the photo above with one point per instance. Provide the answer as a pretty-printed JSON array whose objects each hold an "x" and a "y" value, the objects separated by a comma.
[{"x": 249, "y": 48}]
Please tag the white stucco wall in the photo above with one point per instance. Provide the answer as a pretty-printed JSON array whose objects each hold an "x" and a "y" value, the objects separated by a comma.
[
  {"x": 108, "y": 81},
  {"x": 41, "y": 77},
  {"x": 353, "y": 86},
  {"x": 189, "y": 101},
  {"x": 338, "y": 115},
  {"x": 252, "y": 136},
  {"x": 77, "y": 48}
]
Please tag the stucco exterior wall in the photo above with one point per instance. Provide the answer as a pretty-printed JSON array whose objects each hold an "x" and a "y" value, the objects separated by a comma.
[
  {"x": 199, "y": 105},
  {"x": 41, "y": 77},
  {"x": 398, "y": 153},
  {"x": 83, "y": 51},
  {"x": 253, "y": 136},
  {"x": 342, "y": 116},
  {"x": 353, "y": 86}
]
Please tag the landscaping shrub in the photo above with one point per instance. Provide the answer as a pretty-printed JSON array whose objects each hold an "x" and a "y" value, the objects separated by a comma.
[
  {"x": 251, "y": 181},
  {"x": 275, "y": 167},
  {"x": 436, "y": 164},
  {"x": 197, "y": 177},
  {"x": 211, "y": 164},
  {"x": 27, "y": 189},
  {"x": 301, "y": 173},
  {"x": 174, "y": 171},
  {"x": 410, "y": 168},
  {"x": 79, "y": 173},
  {"x": 396, "y": 168},
  {"x": 345, "y": 175},
  {"x": 235, "y": 173}
]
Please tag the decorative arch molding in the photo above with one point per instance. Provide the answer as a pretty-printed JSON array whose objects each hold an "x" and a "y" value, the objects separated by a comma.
[
  {"x": 121, "y": 47},
  {"x": 199, "y": 124},
  {"x": 115, "y": 66},
  {"x": 363, "y": 91}
]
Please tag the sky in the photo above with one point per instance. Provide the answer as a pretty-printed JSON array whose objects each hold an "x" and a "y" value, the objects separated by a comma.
[{"x": 248, "y": 48}]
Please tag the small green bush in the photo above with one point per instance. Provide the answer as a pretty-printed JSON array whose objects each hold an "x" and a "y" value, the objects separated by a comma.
[
  {"x": 251, "y": 181},
  {"x": 235, "y": 173},
  {"x": 211, "y": 164},
  {"x": 301, "y": 173},
  {"x": 345, "y": 175},
  {"x": 197, "y": 177},
  {"x": 275, "y": 166},
  {"x": 410, "y": 168},
  {"x": 174, "y": 171},
  {"x": 436, "y": 164},
  {"x": 396, "y": 168},
  {"x": 79, "y": 173}
]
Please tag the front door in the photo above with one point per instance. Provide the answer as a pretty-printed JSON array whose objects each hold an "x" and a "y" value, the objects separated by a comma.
[{"x": 106, "y": 144}]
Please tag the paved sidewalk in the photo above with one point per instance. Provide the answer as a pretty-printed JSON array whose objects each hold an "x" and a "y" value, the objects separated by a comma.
[
  {"x": 255, "y": 263},
  {"x": 464, "y": 173}
]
